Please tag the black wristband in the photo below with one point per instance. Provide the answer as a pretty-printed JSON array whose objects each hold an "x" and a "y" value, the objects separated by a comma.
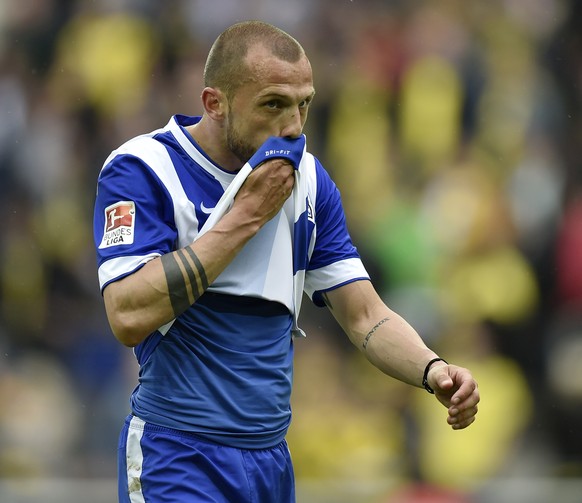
[{"x": 426, "y": 369}]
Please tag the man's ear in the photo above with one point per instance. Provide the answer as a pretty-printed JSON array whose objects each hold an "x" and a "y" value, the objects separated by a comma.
[{"x": 214, "y": 102}]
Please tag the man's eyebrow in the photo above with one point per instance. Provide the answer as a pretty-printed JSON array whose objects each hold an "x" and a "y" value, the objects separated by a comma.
[{"x": 279, "y": 95}]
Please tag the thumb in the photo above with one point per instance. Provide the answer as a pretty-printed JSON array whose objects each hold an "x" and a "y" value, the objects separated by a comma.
[
  {"x": 444, "y": 382},
  {"x": 444, "y": 388}
]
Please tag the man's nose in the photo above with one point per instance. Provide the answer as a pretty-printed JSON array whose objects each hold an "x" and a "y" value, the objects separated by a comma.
[{"x": 293, "y": 125}]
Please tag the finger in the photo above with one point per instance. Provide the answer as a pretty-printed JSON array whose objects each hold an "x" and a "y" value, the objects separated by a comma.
[
  {"x": 465, "y": 409},
  {"x": 274, "y": 166},
  {"x": 467, "y": 391},
  {"x": 458, "y": 416},
  {"x": 462, "y": 400},
  {"x": 463, "y": 424},
  {"x": 271, "y": 175}
]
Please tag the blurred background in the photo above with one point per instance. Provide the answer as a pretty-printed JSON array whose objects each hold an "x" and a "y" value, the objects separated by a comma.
[{"x": 453, "y": 130}]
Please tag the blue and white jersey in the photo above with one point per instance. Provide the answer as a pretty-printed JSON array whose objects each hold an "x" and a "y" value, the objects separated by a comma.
[{"x": 222, "y": 369}]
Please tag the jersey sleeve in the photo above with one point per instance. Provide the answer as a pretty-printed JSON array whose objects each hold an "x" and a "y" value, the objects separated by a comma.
[
  {"x": 133, "y": 218},
  {"x": 335, "y": 260}
]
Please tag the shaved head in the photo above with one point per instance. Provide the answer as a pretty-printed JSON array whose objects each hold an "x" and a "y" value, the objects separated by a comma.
[{"x": 226, "y": 67}]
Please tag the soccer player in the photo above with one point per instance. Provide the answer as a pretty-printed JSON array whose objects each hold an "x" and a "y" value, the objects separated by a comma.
[{"x": 208, "y": 231}]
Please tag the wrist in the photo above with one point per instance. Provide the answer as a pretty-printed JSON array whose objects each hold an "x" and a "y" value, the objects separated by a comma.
[
  {"x": 240, "y": 224},
  {"x": 427, "y": 369}
]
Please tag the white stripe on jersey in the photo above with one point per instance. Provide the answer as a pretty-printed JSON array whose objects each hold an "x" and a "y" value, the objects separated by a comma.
[
  {"x": 334, "y": 274},
  {"x": 264, "y": 268},
  {"x": 155, "y": 155},
  {"x": 134, "y": 460},
  {"x": 117, "y": 267}
]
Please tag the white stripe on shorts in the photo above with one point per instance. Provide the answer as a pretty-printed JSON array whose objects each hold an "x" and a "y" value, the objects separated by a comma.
[{"x": 134, "y": 459}]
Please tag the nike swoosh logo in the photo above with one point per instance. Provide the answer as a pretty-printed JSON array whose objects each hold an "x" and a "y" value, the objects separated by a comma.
[{"x": 206, "y": 210}]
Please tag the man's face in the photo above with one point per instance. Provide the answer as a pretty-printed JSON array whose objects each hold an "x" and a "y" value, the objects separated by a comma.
[{"x": 273, "y": 102}]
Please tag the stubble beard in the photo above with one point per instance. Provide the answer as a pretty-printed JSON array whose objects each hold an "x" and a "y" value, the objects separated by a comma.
[{"x": 236, "y": 144}]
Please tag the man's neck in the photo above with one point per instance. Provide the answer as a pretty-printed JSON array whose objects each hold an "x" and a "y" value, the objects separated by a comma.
[{"x": 210, "y": 143}]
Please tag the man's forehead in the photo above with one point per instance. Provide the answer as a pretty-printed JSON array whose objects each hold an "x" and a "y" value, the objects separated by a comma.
[{"x": 261, "y": 61}]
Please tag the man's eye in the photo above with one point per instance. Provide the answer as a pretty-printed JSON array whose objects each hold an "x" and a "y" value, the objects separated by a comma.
[{"x": 273, "y": 104}]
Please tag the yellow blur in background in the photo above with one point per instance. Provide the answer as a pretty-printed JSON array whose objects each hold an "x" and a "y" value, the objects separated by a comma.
[{"x": 452, "y": 130}]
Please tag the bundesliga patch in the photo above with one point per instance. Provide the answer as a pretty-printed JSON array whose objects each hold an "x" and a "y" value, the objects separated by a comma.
[{"x": 119, "y": 224}]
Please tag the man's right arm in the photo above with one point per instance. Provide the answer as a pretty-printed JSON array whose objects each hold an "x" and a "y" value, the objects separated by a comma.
[{"x": 162, "y": 289}]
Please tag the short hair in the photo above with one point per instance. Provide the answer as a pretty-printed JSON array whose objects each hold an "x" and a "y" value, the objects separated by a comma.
[{"x": 226, "y": 67}]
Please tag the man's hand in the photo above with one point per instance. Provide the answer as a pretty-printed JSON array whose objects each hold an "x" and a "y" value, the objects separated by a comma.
[
  {"x": 271, "y": 182},
  {"x": 265, "y": 190},
  {"x": 457, "y": 390}
]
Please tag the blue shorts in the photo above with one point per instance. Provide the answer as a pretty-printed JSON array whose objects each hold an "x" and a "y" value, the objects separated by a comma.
[{"x": 162, "y": 465}]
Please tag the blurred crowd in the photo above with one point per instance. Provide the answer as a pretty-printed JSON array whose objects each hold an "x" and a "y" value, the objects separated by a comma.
[{"x": 453, "y": 130}]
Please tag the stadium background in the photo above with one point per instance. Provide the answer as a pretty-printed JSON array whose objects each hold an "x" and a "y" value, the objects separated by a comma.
[{"x": 454, "y": 132}]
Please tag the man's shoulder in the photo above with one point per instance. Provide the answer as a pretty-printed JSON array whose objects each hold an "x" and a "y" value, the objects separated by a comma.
[
  {"x": 137, "y": 144},
  {"x": 149, "y": 149}
]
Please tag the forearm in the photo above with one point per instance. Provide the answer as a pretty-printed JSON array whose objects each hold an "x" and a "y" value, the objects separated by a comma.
[
  {"x": 164, "y": 288},
  {"x": 188, "y": 272},
  {"x": 389, "y": 342},
  {"x": 393, "y": 346}
]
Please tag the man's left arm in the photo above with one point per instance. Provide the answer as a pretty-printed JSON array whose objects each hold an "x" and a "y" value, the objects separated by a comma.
[{"x": 392, "y": 345}]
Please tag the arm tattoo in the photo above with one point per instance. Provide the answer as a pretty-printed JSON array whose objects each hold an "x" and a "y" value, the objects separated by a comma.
[
  {"x": 176, "y": 279},
  {"x": 176, "y": 284},
  {"x": 369, "y": 335},
  {"x": 374, "y": 328},
  {"x": 189, "y": 272},
  {"x": 200, "y": 269}
]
